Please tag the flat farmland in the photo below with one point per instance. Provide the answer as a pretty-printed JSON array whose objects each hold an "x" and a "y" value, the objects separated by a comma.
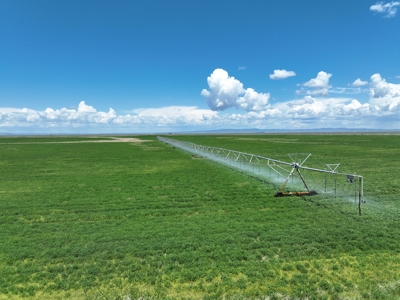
[{"x": 134, "y": 218}]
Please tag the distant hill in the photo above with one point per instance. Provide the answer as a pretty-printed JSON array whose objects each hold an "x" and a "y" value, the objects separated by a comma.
[
  {"x": 221, "y": 131},
  {"x": 315, "y": 130}
]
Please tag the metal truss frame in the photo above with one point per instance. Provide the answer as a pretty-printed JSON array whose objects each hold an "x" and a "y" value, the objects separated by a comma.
[{"x": 281, "y": 168}]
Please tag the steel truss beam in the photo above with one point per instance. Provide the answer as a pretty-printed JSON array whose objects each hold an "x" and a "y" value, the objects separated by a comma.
[{"x": 273, "y": 164}]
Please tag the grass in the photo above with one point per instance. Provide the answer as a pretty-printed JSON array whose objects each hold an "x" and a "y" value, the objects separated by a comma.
[{"x": 108, "y": 220}]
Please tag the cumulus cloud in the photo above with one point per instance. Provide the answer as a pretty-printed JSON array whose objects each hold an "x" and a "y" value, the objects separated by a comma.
[
  {"x": 387, "y": 9},
  {"x": 314, "y": 112},
  {"x": 317, "y": 86},
  {"x": 384, "y": 94},
  {"x": 312, "y": 107},
  {"x": 253, "y": 101},
  {"x": 83, "y": 108},
  {"x": 281, "y": 74},
  {"x": 381, "y": 111},
  {"x": 226, "y": 92},
  {"x": 383, "y": 105},
  {"x": 87, "y": 116},
  {"x": 321, "y": 81},
  {"x": 358, "y": 82},
  {"x": 311, "y": 111},
  {"x": 379, "y": 87}
]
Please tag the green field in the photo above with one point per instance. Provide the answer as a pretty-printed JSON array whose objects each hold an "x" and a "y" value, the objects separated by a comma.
[{"x": 142, "y": 220}]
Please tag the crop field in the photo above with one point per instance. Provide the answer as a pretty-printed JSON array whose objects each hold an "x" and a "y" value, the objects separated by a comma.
[{"x": 135, "y": 218}]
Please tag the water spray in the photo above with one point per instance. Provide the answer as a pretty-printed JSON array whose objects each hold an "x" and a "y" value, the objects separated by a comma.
[{"x": 282, "y": 169}]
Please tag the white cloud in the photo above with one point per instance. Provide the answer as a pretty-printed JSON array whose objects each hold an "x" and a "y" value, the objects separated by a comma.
[
  {"x": 253, "y": 101},
  {"x": 397, "y": 76},
  {"x": 384, "y": 94},
  {"x": 87, "y": 116},
  {"x": 225, "y": 92},
  {"x": 358, "y": 82},
  {"x": 387, "y": 9},
  {"x": 384, "y": 105},
  {"x": 379, "y": 87},
  {"x": 311, "y": 107},
  {"x": 317, "y": 86},
  {"x": 311, "y": 112},
  {"x": 281, "y": 74},
  {"x": 176, "y": 114},
  {"x": 381, "y": 111},
  {"x": 321, "y": 81},
  {"x": 345, "y": 90},
  {"x": 320, "y": 92},
  {"x": 83, "y": 108},
  {"x": 242, "y": 68}
]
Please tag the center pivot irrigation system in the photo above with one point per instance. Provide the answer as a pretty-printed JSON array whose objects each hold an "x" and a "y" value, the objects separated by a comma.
[{"x": 277, "y": 170}]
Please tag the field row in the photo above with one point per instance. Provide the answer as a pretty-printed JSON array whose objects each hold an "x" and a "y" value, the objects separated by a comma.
[{"x": 104, "y": 220}]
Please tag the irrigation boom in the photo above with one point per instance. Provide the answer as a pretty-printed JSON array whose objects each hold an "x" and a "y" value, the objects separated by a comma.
[{"x": 278, "y": 166}]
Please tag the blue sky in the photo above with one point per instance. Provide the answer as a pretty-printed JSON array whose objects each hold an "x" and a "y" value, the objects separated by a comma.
[{"x": 157, "y": 66}]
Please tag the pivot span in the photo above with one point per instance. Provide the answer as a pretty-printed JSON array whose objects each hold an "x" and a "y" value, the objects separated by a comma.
[{"x": 283, "y": 169}]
